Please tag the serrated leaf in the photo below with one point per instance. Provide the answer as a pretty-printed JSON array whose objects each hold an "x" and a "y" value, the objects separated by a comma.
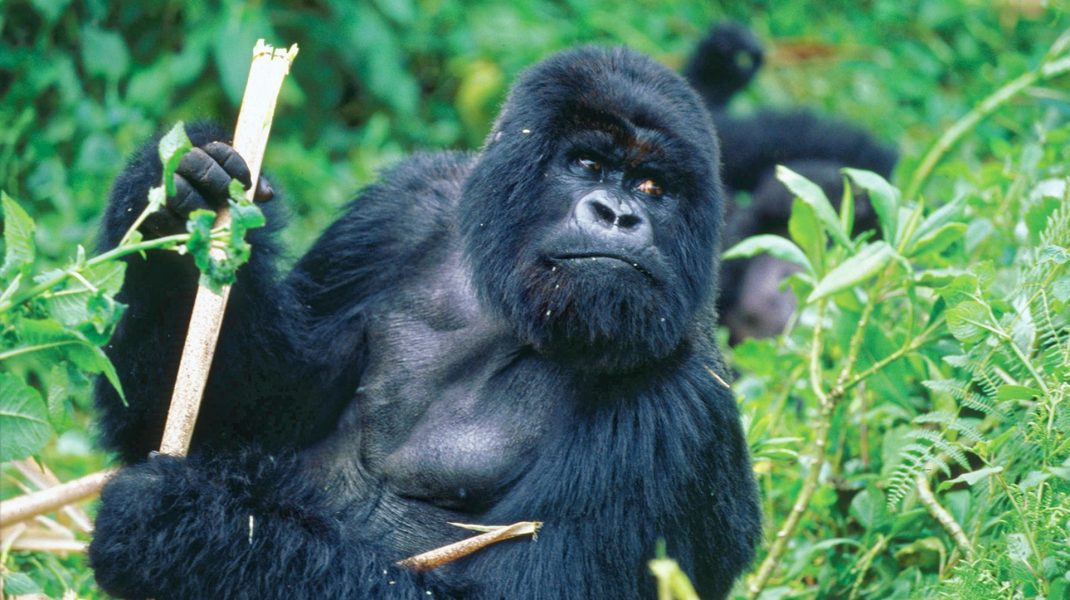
[
  {"x": 856, "y": 269},
  {"x": 812, "y": 194},
  {"x": 19, "y": 249},
  {"x": 24, "y": 426},
  {"x": 58, "y": 343},
  {"x": 173, "y": 146},
  {"x": 772, "y": 244},
  {"x": 883, "y": 197}
]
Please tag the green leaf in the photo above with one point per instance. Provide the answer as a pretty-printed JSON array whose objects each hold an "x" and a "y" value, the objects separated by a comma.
[
  {"x": 173, "y": 146},
  {"x": 856, "y": 269},
  {"x": 57, "y": 343},
  {"x": 812, "y": 194},
  {"x": 773, "y": 244},
  {"x": 104, "y": 53},
  {"x": 18, "y": 237},
  {"x": 938, "y": 240},
  {"x": 883, "y": 197},
  {"x": 967, "y": 321},
  {"x": 973, "y": 477},
  {"x": 847, "y": 209},
  {"x": 1018, "y": 547},
  {"x": 1009, "y": 391},
  {"x": 805, "y": 229},
  {"x": 24, "y": 426},
  {"x": 20, "y": 584}
]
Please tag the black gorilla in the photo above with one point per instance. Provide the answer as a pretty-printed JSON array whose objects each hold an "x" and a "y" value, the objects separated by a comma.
[
  {"x": 519, "y": 334},
  {"x": 725, "y": 61}
]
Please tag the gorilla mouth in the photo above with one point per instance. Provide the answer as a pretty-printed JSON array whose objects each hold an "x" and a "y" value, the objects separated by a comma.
[{"x": 595, "y": 256}]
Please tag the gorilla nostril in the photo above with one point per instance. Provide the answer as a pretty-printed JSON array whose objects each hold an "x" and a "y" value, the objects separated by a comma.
[
  {"x": 604, "y": 213},
  {"x": 628, "y": 221}
]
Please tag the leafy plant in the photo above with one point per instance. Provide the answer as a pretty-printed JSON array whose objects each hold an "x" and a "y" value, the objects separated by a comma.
[{"x": 60, "y": 321}]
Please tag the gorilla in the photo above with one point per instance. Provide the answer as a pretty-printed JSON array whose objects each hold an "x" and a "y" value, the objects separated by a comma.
[
  {"x": 522, "y": 333},
  {"x": 724, "y": 62}
]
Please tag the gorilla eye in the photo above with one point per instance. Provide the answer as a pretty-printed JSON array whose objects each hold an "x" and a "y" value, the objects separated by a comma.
[
  {"x": 650, "y": 188},
  {"x": 589, "y": 164}
]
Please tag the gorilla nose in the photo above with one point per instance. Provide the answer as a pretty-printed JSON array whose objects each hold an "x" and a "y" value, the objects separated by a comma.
[{"x": 608, "y": 217}]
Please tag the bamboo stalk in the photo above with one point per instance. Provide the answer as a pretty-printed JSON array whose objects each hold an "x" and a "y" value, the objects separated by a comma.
[{"x": 268, "y": 69}]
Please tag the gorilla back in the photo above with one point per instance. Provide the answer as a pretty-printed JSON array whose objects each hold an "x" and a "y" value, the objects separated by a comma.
[{"x": 520, "y": 334}]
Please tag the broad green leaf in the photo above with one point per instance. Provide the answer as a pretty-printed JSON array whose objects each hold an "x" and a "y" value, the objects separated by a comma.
[
  {"x": 856, "y": 269},
  {"x": 973, "y": 477},
  {"x": 883, "y": 197},
  {"x": 20, "y": 584},
  {"x": 24, "y": 426},
  {"x": 1009, "y": 391},
  {"x": 104, "y": 53},
  {"x": 77, "y": 304},
  {"x": 804, "y": 228},
  {"x": 55, "y": 343},
  {"x": 938, "y": 240},
  {"x": 773, "y": 244},
  {"x": 812, "y": 194},
  {"x": 968, "y": 321},
  {"x": 173, "y": 146},
  {"x": 18, "y": 237}
]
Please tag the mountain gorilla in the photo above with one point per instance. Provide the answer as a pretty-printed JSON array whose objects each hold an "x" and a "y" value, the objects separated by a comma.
[
  {"x": 751, "y": 303},
  {"x": 518, "y": 334}
]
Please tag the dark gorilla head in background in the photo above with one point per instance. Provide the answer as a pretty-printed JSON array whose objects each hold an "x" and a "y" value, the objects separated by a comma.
[{"x": 602, "y": 248}]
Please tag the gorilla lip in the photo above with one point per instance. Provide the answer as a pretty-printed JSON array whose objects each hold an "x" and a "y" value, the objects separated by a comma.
[{"x": 635, "y": 264}]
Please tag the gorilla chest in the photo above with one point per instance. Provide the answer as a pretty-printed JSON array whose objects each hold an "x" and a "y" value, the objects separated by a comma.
[{"x": 450, "y": 407}]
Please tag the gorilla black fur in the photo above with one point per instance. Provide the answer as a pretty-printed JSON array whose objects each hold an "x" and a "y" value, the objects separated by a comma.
[
  {"x": 519, "y": 334},
  {"x": 723, "y": 63}
]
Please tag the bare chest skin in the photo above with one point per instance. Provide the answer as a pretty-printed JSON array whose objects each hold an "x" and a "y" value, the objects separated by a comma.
[{"x": 450, "y": 408}]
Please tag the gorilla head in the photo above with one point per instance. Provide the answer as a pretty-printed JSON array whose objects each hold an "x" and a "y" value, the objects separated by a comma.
[
  {"x": 602, "y": 248},
  {"x": 724, "y": 62}
]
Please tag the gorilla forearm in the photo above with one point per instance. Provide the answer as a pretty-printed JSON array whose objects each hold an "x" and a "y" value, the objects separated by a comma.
[
  {"x": 273, "y": 529},
  {"x": 256, "y": 345}
]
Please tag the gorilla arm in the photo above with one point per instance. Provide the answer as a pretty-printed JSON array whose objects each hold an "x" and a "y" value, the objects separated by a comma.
[{"x": 252, "y": 397}]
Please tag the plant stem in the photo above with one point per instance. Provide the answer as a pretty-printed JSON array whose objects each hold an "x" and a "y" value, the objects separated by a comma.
[
  {"x": 1052, "y": 67},
  {"x": 53, "y": 498},
  {"x": 167, "y": 242},
  {"x": 944, "y": 518}
]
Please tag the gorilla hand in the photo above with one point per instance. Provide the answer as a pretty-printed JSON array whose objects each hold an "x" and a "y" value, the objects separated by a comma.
[{"x": 202, "y": 181}]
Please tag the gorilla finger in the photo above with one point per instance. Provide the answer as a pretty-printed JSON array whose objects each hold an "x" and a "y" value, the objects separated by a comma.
[
  {"x": 186, "y": 199},
  {"x": 230, "y": 160},
  {"x": 204, "y": 173},
  {"x": 264, "y": 191}
]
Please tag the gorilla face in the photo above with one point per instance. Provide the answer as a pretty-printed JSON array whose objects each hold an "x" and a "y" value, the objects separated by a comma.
[{"x": 591, "y": 218}]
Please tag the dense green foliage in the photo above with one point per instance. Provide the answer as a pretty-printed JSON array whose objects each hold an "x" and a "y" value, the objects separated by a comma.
[{"x": 917, "y": 413}]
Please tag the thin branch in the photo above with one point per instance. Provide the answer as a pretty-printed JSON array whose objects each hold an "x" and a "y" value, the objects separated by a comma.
[
  {"x": 447, "y": 554},
  {"x": 51, "y": 499},
  {"x": 944, "y": 518}
]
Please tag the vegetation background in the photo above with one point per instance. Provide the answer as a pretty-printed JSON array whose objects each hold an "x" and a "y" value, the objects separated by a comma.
[{"x": 918, "y": 406}]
